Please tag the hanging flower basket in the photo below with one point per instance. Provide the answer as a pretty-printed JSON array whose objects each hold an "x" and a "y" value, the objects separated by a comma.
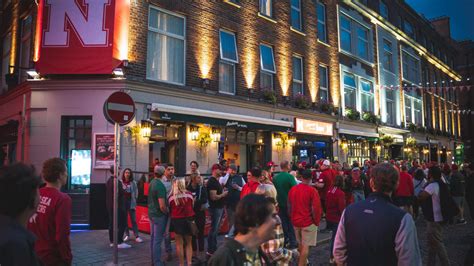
[
  {"x": 352, "y": 114},
  {"x": 302, "y": 101},
  {"x": 411, "y": 142},
  {"x": 269, "y": 96},
  {"x": 387, "y": 140}
]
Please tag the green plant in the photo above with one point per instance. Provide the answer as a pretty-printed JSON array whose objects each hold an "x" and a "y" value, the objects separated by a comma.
[
  {"x": 133, "y": 131},
  {"x": 204, "y": 139},
  {"x": 412, "y": 127},
  {"x": 411, "y": 142},
  {"x": 302, "y": 101},
  {"x": 352, "y": 114},
  {"x": 370, "y": 117},
  {"x": 387, "y": 140},
  {"x": 269, "y": 96}
]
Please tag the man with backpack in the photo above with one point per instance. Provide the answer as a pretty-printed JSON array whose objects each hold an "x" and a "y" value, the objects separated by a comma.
[{"x": 437, "y": 210}]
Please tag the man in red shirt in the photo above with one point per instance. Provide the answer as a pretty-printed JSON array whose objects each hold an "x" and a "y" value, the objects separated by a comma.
[
  {"x": 52, "y": 220},
  {"x": 304, "y": 207},
  {"x": 403, "y": 196},
  {"x": 252, "y": 176},
  {"x": 325, "y": 181}
]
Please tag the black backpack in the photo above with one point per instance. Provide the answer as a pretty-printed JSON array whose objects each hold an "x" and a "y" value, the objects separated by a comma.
[{"x": 449, "y": 208}]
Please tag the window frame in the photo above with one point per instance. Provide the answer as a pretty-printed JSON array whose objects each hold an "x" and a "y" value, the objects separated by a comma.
[
  {"x": 322, "y": 88},
  {"x": 262, "y": 9},
  {"x": 410, "y": 68},
  {"x": 393, "y": 100},
  {"x": 366, "y": 41},
  {"x": 322, "y": 22},
  {"x": 233, "y": 80},
  {"x": 349, "y": 31},
  {"x": 354, "y": 38},
  {"x": 300, "y": 12},
  {"x": 293, "y": 80},
  {"x": 158, "y": 31},
  {"x": 383, "y": 4},
  {"x": 350, "y": 87},
  {"x": 261, "y": 59},
  {"x": 236, "y": 61},
  {"x": 408, "y": 25},
  {"x": 387, "y": 54},
  {"x": 364, "y": 93}
]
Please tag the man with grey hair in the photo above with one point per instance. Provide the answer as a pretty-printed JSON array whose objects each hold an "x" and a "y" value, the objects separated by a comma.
[
  {"x": 158, "y": 214},
  {"x": 374, "y": 231},
  {"x": 283, "y": 182}
]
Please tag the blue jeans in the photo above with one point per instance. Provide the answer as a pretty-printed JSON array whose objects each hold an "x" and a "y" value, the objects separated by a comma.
[
  {"x": 288, "y": 230},
  {"x": 167, "y": 235},
  {"x": 333, "y": 227},
  {"x": 216, "y": 218},
  {"x": 157, "y": 233},
  {"x": 133, "y": 219},
  {"x": 358, "y": 195}
]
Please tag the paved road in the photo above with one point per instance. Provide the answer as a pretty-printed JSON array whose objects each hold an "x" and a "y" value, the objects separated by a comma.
[{"x": 92, "y": 247}]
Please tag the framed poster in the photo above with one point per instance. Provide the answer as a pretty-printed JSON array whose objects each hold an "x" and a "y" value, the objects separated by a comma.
[{"x": 104, "y": 150}]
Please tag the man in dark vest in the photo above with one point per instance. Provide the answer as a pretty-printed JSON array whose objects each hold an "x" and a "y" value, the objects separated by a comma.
[{"x": 374, "y": 231}]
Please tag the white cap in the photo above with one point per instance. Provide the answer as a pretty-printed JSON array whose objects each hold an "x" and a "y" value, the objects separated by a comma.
[{"x": 326, "y": 163}]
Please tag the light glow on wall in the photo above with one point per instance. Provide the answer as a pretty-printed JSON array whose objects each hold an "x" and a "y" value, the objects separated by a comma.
[
  {"x": 121, "y": 25},
  {"x": 250, "y": 50},
  {"x": 38, "y": 29},
  {"x": 207, "y": 43},
  {"x": 14, "y": 45}
]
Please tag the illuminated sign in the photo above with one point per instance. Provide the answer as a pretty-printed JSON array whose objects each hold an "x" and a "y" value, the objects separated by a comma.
[{"x": 313, "y": 127}]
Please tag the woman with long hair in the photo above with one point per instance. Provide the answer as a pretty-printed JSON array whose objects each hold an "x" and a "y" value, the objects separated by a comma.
[
  {"x": 130, "y": 194},
  {"x": 199, "y": 193},
  {"x": 182, "y": 215}
]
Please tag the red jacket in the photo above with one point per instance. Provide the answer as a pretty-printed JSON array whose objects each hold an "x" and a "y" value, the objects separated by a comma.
[
  {"x": 335, "y": 204},
  {"x": 327, "y": 177},
  {"x": 248, "y": 188},
  {"x": 51, "y": 224},
  {"x": 304, "y": 205},
  {"x": 185, "y": 207},
  {"x": 405, "y": 185}
]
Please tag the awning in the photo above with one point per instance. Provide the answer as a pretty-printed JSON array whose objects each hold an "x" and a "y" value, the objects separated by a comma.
[
  {"x": 185, "y": 114},
  {"x": 356, "y": 134}
]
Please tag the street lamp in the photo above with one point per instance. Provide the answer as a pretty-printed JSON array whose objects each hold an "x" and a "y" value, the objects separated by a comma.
[
  {"x": 145, "y": 128},
  {"x": 194, "y": 132}
]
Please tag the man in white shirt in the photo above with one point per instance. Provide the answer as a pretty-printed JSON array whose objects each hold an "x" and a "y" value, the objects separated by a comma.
[{"x": 434, "y": 229}]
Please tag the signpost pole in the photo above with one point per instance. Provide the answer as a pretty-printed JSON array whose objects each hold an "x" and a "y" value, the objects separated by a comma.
[{"x": 115, "y": 211}]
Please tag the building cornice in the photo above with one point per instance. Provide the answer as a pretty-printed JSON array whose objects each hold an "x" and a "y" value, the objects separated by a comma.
[{"x": 376, "y": 19}]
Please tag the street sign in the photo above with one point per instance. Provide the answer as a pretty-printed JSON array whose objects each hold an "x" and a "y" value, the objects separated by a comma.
[{"x": 119, "y": 108}]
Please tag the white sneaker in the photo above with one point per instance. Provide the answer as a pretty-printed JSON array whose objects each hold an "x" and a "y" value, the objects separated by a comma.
[
  {"x": 123, "y": 245},
  {"x": 138, "y": 239},
  {"x": 125, "y": 238}
]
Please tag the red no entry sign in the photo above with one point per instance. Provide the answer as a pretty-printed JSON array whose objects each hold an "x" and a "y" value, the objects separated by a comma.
[{"x": 119, "y": 108}]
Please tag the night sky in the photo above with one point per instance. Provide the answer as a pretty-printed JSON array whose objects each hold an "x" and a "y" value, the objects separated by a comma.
[{"x": 461, "y": 13}]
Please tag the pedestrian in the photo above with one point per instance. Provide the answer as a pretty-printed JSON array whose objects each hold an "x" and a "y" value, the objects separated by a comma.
[
  {"x": 325, "y": 181},
  {"x": 217, "y": 196},
  {"x": 52, "y": 221},
  {"x": 458, "y": 191},
  {"x": 194, "y": 170},
  {"x": 335, "y": 205},
  {"x": 274, "y": 248},
  {"x": 253, "y": 177},
  {"x": 234, "y": 183},
  {"x": 419, "y": 182},
  {"x": 201, "y": 204},
  {"x": 19, "y": 199},
  {"x": 181, "y": 204},
  {"x": 283, "y": 182},
  {"x": 304, "y": 207},
  {"x": 403, "y": 196},
  {"x": 255, "y": 221},
  {"x": 130, "y": 195},
  {"x": 358, "y": 180},
  {"x": 121, "y": 213},
  {"x": 157, "y": 213},
  {"x": 374, "y": 231},
  {"x": 167, "y": 180},
  {"x": 431, "y": 205}
]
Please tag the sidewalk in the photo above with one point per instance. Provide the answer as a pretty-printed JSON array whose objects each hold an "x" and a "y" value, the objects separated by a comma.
[{"x": 92, "y": 248}]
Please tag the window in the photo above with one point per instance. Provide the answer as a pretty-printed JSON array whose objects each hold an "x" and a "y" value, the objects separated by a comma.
[
  {"x": 362, "y": 42},
  {"x": 323, "y": 84},
  {"x": 450, "y": 120},
  {"x": 411, "y": 68},
  {"x": 435, "y": 107},
  {"x": 345, "y": 38},
  {"x": 366, "y": 96},
  {"x": 408, "y": 116},
  {"x": 321, "y": 13},
  {"x": 413, "y": 112},
  {"x": 228, "y": 52},
  {"x": 166, "y": 44},
  {"x": 351, "y": 31},
  {"x": 387, "y": 58},
  {"x": 266, "y": 8},
  {"x": 25, "y": 47},
  {"x": 267, "y": 67},
  {"x": 297, "y": 75},
  {"x": 390, "y": 99},
  {"x": 428, "y": 109},
  {"x": 383, "y": 10},
  {"x": 408, "y": 29},
  {"x": 7, "y": 42},
  {"x": 296, "y": 15},
  {"x": 349, "y": 90}
]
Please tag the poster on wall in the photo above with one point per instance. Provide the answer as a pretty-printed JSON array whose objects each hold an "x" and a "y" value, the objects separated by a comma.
[{"x": 103, "y": 150}]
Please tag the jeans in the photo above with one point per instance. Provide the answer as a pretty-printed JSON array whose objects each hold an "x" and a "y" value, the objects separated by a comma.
[
  {"x": 157, "y": 233},
  {"x": 216, "y": 218},
  {"x": 230, "y": 219},
  {"x": 333, "y": 227},
  {"x": 358, "y": 195},
  {"x": 288, "y": 229},
  {"x": 198, "y": 241},
  {"x": 167, "y": 235},
  {"x": 133, "y": 219},
  {"x": 434, "y": 235},
  {"x": 121, "y": 224}
]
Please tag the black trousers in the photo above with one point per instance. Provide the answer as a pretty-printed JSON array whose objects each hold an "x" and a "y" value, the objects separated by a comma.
[
  {"x": 121, "y": 224},
  {"x": 200, "y": 220}
]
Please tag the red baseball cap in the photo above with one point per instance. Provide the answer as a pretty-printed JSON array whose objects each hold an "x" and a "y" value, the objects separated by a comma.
[
  {"x": 271, "y": 163},
  {"x": 216, "y": 166}
]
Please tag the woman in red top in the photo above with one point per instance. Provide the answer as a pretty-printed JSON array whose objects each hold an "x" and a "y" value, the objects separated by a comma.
[
  {"x": 182, "y": 215},
  {"x": 335, "y": 205},
  {"x": 253, "y": 177}
]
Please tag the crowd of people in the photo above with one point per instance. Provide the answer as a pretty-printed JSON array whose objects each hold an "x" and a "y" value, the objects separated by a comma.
[{"x": 273, "y": 213}]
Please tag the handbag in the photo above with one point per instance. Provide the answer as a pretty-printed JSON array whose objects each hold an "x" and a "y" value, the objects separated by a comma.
[{"x": 193, "y": 227}]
